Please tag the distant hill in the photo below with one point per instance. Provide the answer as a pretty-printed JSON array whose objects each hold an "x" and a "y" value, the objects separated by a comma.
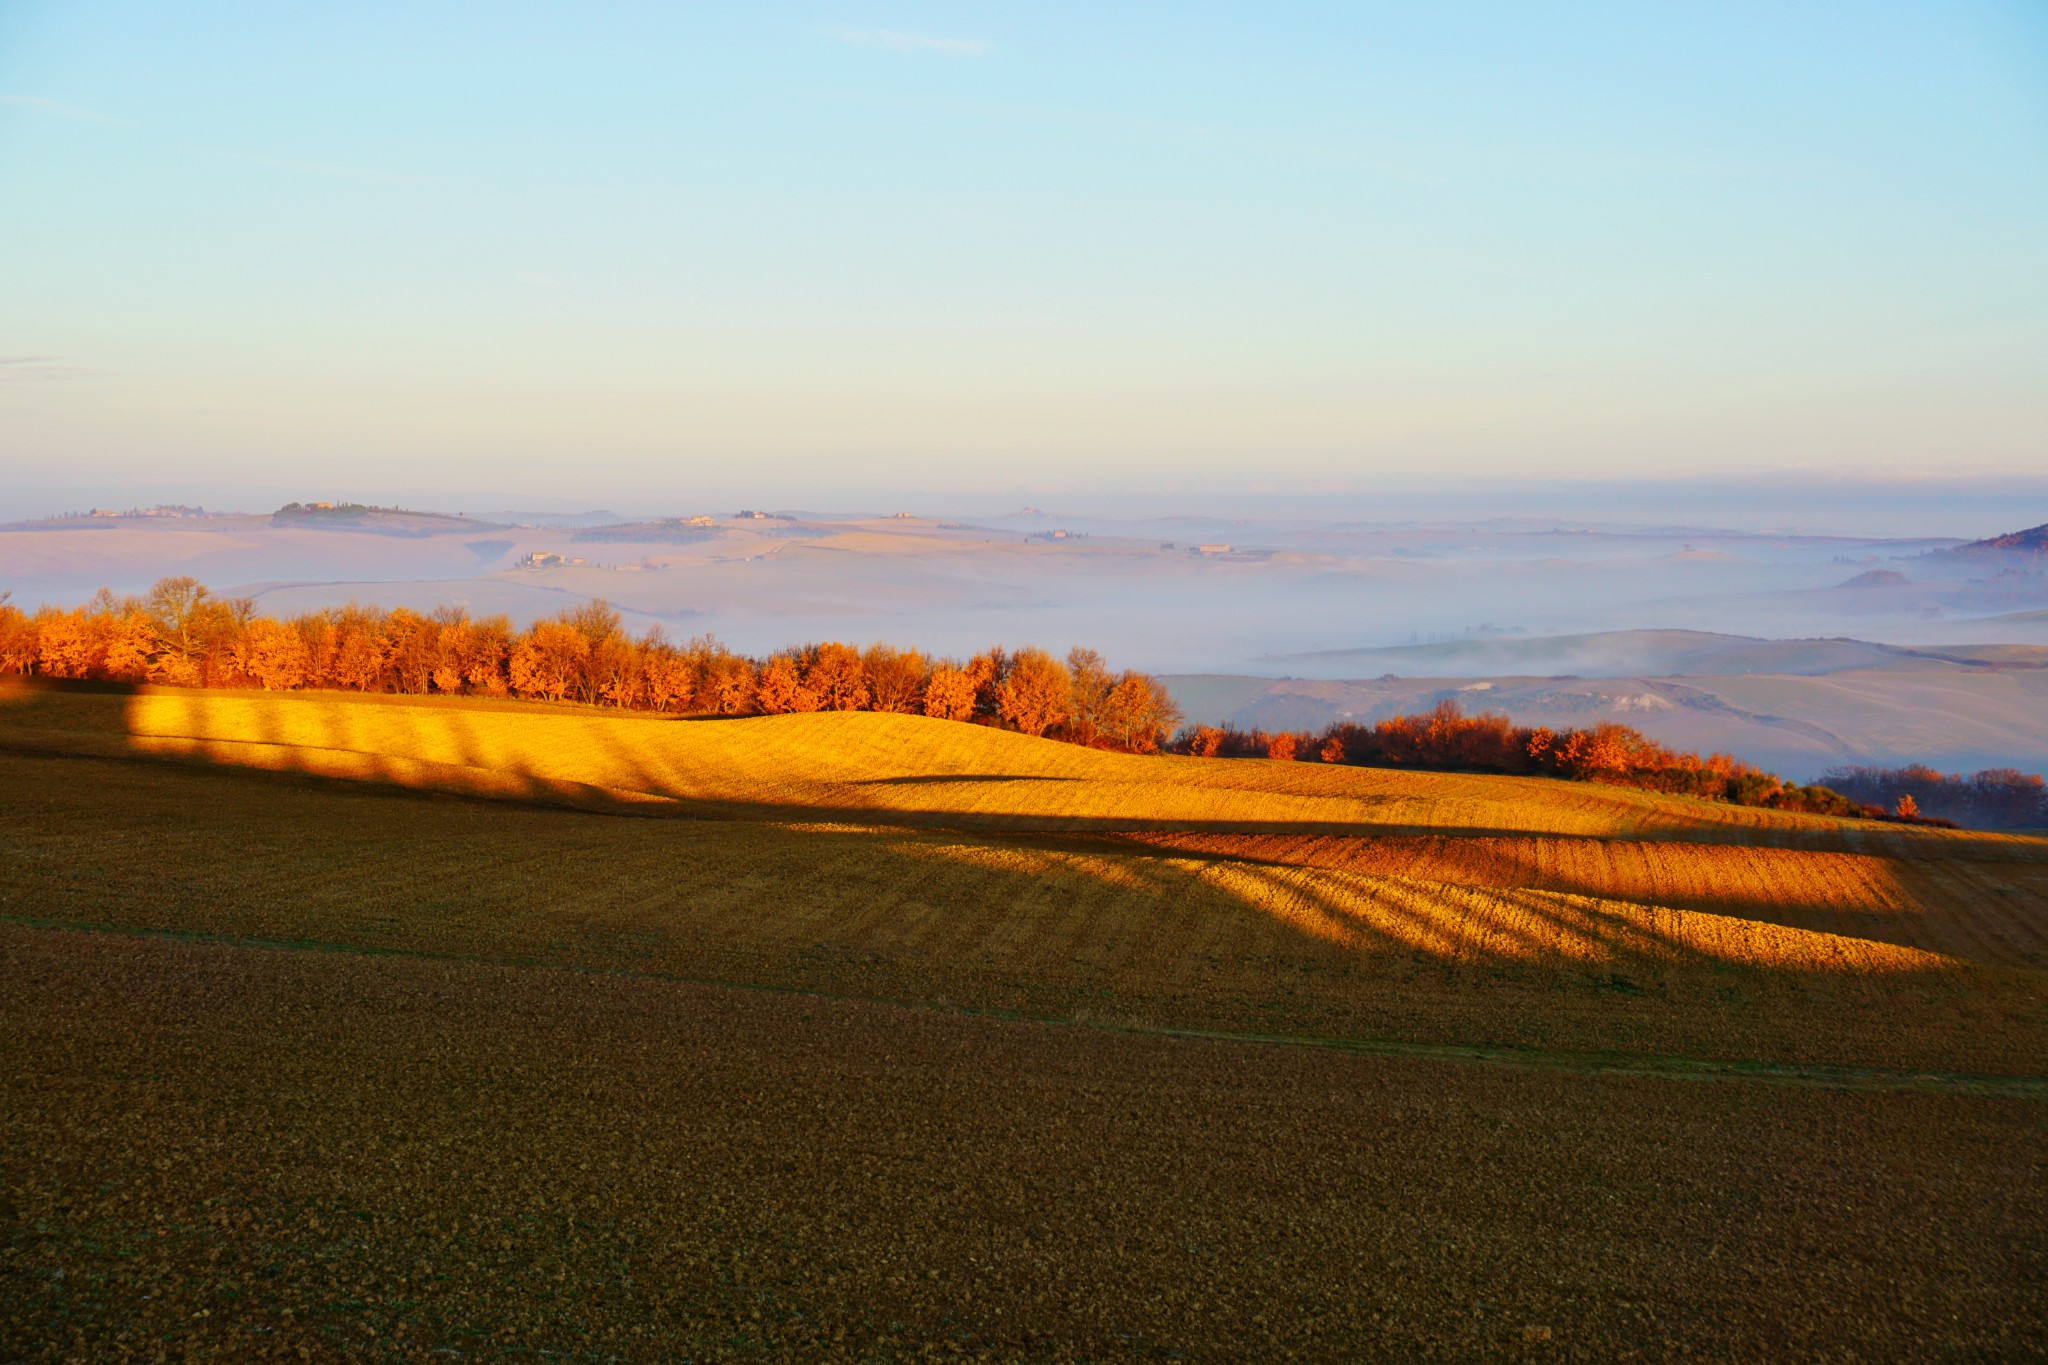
[
  {"x": 383, "y": 521},
  {"x": 1796, "y": 706},
  {"x": 557, "y": 521},
  {"x": 1604, "y": 654},
  {"x": 2032, "y": 541},
  {"x": 646, "y": 533}
]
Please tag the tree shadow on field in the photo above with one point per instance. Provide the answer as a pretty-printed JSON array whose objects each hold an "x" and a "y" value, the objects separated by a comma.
[
  {"x": 1993, "y": 910},
  {"x": 1470, "y": 896}
]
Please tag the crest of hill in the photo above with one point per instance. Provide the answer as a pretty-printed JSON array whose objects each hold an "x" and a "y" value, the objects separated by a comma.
[
  {"x": 386, "y": 521},
  {"x": 913, "y": 858},
  {"x": 905, "y": 769},
  {"x": 2032, "y": 541},
  {"x": 1604, "y": 654},
  {"x": 1877, "y": 578}
]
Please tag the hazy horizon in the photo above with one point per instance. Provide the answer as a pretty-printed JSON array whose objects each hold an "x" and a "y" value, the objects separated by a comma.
[{"x": 1896, "y": 508}]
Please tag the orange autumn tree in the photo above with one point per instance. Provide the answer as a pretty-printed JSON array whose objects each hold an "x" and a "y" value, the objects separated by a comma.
[
  {"x": 549, "y": 662},
  {"x": 897, "y": 679},
  {"x": 1137, "y": 714},
  {"x": 1037, "y": 694},
  {"x": 949, "y": 695},
  {"x": 183, "y": 634},
  {"x": 65, "y": 644},
  {"x": 19, "y": 644},
  {"x": 275, "y": 655},
  {"x": 836, "y": 676},
  {"x": 780, "y": 689}
]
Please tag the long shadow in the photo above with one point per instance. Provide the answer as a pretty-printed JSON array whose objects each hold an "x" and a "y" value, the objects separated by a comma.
[
  {"x": 1381, "y": 913},
  {"x": 1917, "y": 904},
  {"x": 30, "y": 700},
  {"x": 1030, "y": 921},
  {"x": 665, "y": 799},
  {"x": 1505, "y": 863}
]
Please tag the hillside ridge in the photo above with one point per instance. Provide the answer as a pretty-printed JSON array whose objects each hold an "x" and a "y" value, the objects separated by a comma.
[
  {"x": 885, "y": 766},
  {"x": 2032, "y": 541}
]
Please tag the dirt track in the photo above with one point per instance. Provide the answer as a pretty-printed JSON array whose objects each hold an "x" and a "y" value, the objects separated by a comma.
[{"x": 230, "y": 1151}]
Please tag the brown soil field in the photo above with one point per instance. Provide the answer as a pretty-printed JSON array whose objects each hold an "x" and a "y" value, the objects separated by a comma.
[
  {"x": 1042, "y": 926},
  {"x": 240, "y": 1153},
  {"x": 500, "y": 1032}
]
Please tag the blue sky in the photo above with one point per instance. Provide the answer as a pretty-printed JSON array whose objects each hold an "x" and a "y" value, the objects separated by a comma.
[{"x": 821, "y": 249}]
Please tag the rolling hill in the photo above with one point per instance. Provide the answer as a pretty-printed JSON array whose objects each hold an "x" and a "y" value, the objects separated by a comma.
[
  {"x": 900, "y": 769},
  {"x": 2032, "y": 541},
  {"x": 1602, "y": 654},
  {"x": 904, "y": 857},
  {"x": 380, "y": 1028}
]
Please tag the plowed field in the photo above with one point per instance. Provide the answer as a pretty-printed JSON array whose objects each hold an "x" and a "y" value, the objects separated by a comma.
[
  {"x": 1986, "y": 901},
  {"x": 420, "y": 1022},
  {"x": 1045, "y": 926},
  {"x": 900, "y": 766},
  {"x": 236, "y": 1153}
]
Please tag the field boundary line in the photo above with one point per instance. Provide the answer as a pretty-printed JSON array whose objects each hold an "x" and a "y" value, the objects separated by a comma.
[{"x": 1868, "y": 1079}]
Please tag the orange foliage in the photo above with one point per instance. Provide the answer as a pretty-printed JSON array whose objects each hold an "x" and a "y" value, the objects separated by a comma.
[
  {"x": 896, "y": 679},
  {"x": 1036, "y": 694},
  {"x": 65, "y": 647},
  {"x": 181, "y": 634},
  {"x": 276, "y": 655},
  {"x": 781, "y": 689},
  {"x": 19, "y": 643},
  {"x": 836, "y": 677},
  {"x": 549, "y": 660},
  {"x": 1138, "y": 714},
  {"x": 950, "y": 693},
  {"x": 1444, "y": 738}
]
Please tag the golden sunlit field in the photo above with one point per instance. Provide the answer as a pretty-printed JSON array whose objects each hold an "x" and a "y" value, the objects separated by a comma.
[
  {"x": 900, "y": 767},
  {"x": 495, "y": 1028}
]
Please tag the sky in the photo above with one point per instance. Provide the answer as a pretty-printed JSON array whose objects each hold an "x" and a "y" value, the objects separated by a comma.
[{"x": 610, "y": 254}]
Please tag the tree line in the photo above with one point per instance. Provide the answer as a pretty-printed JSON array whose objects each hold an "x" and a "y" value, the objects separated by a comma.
[
  {"x": 182, "y": 634},
  {"x": 1995, "y": 798},
  {"x": 1445, "y": 739}
]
